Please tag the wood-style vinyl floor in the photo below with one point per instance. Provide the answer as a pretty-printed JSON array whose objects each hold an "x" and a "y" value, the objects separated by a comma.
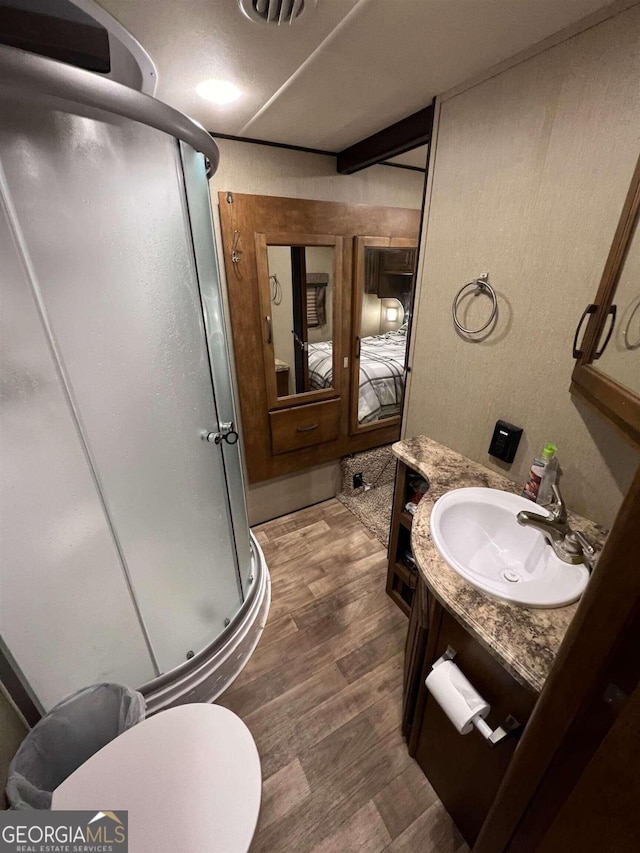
[{"x": 322, "y": 697}]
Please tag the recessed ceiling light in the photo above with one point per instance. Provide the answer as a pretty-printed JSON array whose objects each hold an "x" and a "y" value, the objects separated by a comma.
[{"x": 218, "y": 91}]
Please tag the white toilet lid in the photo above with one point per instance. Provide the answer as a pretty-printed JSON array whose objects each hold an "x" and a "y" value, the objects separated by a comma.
[{"x": 188, "y": 776}]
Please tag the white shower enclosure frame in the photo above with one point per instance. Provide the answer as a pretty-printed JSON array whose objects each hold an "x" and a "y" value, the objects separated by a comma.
[{"x": 126, "y": 553}]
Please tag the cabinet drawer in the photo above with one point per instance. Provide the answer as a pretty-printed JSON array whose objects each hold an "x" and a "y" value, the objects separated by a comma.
[{"x": 304, "y": 426}]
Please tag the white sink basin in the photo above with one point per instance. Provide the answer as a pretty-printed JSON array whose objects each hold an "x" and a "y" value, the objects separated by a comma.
[{"x": 477, "y": 534}]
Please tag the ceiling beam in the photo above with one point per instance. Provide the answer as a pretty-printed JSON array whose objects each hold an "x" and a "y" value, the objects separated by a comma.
[
  {"x": 404, "y": 135},
  {"x": 251, "y": 141}
]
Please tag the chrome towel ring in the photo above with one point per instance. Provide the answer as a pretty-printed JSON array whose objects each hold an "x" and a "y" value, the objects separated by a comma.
[{"x": 483, "y": 286}]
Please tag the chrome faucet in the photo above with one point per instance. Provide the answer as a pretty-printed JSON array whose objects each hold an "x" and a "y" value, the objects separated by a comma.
[{"x": 568, "y": 546}]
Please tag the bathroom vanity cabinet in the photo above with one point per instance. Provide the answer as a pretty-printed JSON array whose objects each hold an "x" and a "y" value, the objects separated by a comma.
[
  {"x": 506, "y": 652},
  {"x": 465, "y": 770}
]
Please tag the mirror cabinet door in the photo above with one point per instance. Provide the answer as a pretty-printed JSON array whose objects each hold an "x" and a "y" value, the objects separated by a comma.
[
  {"x": 300, "y": 292},
  {"x": 607, "y": 374},
  {"x": 383, "y": 291},
  {"x": 621, "y": 358}
]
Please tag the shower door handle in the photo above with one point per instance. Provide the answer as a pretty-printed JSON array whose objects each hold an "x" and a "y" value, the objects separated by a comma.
[{"x": 227, "y": 433}]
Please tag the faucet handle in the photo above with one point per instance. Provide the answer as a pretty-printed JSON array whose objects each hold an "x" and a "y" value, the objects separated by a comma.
[
  {"x": 589, "y": 551},
  {"x": 559, "y": 508}
]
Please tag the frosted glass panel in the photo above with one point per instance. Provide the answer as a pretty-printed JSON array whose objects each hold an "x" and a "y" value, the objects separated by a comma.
[
  {"x": 200, "y": 215},
  {"x": 104, "y": 213},
  {"x": 65, "y": 610}
]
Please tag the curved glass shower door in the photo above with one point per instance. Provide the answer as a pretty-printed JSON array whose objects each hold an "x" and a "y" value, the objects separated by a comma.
[{"x": 99, "y": 209}]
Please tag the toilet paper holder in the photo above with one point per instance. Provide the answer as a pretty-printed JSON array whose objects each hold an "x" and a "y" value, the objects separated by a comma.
[{"x": 492, "y": 736}]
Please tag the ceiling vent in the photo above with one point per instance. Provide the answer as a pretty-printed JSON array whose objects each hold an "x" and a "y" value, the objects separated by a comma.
[{"x": 275, "y": 13}]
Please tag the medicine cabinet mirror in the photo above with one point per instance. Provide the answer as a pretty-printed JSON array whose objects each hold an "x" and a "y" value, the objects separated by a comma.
[
  {"x": 300, "y": 294},
  {"x": 384, "y": 283},
  {"x": 621, "y": 359},
  {"x": 607, "y": 374}
]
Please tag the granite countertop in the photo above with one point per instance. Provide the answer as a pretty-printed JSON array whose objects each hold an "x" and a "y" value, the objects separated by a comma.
[{"x": 525, "y": 641}]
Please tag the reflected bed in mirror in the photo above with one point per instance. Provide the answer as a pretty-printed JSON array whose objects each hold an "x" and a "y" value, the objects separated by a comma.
[{"x": 384, "y": 281}]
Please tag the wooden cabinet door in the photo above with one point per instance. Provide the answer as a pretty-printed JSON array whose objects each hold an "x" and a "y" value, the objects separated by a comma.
[
  {"x": 573, "y": 747},
  {"x": 414, "y": 654},
  {"x": 464, "y": 769},
  {"x": 601, "y": 812}
]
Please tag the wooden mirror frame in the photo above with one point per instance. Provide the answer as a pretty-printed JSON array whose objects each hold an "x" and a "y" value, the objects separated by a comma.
[
  {"x": 262, "y": 243},
  {"x": 618, "y": 403},
  {"x": 361, "y": 244},
  {"x": 242, "y": 216}
]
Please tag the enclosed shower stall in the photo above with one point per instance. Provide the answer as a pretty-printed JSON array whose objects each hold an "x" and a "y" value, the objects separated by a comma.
[{"x": 125, "y": 550}]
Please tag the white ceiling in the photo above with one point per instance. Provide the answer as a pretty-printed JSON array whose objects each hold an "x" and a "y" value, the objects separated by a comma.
[{"x": 341, "y": 72}]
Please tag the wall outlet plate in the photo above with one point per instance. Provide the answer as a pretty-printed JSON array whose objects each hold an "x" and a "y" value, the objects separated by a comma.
[{"x": 504, "y": 441}]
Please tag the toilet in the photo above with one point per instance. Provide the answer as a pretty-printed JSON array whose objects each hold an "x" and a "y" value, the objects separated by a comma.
[{"x": 189, "y": 778}]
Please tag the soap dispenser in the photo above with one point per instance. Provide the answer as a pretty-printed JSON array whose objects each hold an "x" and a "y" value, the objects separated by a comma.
[
  {"x": 538, "y": 467},
  {"x": 549, "y": 475}
]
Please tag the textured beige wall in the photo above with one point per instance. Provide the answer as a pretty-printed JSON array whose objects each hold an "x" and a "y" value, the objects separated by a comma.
[
  {"x": 265, "y": 170},
  {"x": 282, "y": 314},
  {"x": 274, "y": 498},
  {"x": 530, "y": 173}
]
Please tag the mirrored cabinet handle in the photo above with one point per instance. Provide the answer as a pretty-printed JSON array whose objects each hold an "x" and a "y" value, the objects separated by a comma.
[
  {"x": 612, "y": 313},
  {"x": 590, "y": 309},
  {"x": 269, "y": 330}
]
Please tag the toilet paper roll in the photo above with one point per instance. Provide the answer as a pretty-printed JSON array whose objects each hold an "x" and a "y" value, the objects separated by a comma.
[{"x": 457, "y": 697}]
